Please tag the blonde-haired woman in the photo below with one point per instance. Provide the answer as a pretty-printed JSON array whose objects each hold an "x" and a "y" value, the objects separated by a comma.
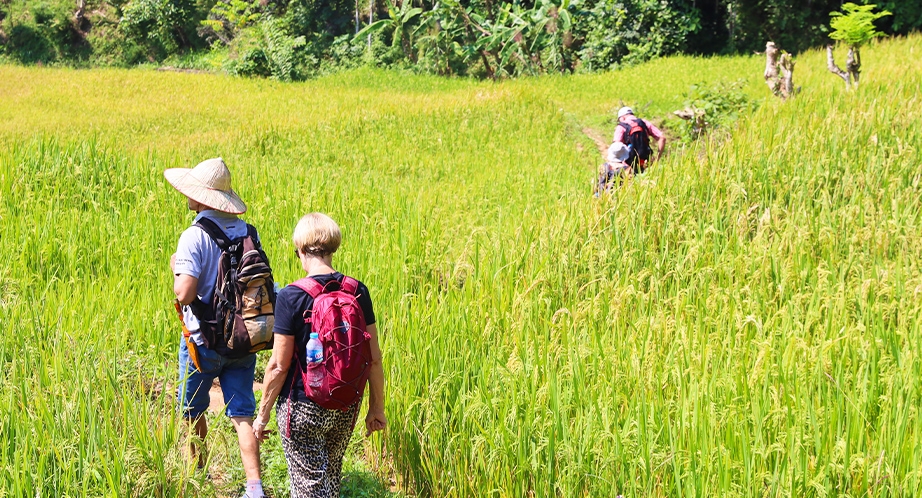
[{"x": 314, "y": 438}]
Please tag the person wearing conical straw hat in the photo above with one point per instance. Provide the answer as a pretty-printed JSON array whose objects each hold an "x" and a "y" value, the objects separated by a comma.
[{"x": 207, "y": 188}]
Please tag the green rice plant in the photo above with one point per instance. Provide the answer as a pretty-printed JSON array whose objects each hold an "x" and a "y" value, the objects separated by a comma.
[{"x": 742, "y": 320}]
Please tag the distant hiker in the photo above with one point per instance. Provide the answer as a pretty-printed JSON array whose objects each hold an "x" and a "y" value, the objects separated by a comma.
[
  {"x": 209, "y": 354},
  {"x": 636, "y": 133},
  {"x": 615, "y": 169},
  {"x": 325, "y": 351}
]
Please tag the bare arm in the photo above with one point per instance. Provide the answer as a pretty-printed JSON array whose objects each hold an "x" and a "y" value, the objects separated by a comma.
[
  {"x": 375, "y": 420},
  {"x": 185, "y": 287},
  {"x": 276, "y": 373},
  {"x": 659, "y": 136}
]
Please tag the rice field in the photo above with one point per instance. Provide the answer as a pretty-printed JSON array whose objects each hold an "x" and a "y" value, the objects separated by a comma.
[{"x": 744, "y": 320}]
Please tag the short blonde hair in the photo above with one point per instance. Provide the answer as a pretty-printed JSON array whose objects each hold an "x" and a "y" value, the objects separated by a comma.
[{"x": 317, "y": 234}]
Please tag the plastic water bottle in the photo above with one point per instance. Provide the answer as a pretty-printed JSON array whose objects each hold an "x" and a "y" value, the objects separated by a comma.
[{"x": 314, "y": 361}]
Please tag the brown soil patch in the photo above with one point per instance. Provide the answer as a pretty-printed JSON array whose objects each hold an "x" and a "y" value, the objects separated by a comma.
[
  {"x": 172, "y": 69},
  {"x": 600, "y": 142}
]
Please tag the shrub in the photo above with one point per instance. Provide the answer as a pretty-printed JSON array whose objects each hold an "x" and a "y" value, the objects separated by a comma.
[
  {"x": 227, "y": 18},
  {"x": 111, "y": 47},
  {"x": 161, "y": 27},
  {"x": 266, "y": 49},
  {"x": 46, "y": 35},
  {"x": 616, "y": 31},
  {"x": 343, "y": 53},
  {"x": 711, "y": 107}
]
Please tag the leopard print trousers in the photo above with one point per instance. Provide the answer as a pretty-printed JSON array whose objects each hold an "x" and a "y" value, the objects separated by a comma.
[{"x": 315, "y": 440}]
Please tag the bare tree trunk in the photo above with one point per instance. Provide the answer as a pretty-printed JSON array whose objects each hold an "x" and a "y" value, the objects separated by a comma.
[
  {"x": 698, "y": 118},
  {"x": 787, "y": 82},
  {"x": 371, "y": 19},
  {"x": 834, "y": 69},
  {"x": 771, "y": 68},
  {"x": 778, "y": 63},
  {"x": 853, "y": 65},
  {"x": 79, "y": 16},
  {"x": 486, "y": 65}
]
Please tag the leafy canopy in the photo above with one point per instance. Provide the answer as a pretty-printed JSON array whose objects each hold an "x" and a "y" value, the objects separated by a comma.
[{"x": 855, "y": 26}]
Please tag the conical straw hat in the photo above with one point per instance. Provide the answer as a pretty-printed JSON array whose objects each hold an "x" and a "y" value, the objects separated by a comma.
[{"x": 209, "y": 183}]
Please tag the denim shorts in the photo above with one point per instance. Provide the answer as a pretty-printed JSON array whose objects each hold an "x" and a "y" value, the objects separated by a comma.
[{"x": 235, "y": 375}]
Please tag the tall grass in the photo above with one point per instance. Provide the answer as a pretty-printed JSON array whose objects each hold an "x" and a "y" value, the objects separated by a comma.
[{"x": 741, "y": 321}]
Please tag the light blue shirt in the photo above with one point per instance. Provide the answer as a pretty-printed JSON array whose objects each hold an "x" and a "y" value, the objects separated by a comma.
[{"x": 197, "y": 255}]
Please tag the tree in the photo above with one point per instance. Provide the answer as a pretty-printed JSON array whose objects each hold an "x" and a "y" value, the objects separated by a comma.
[{"x": 854, "y": 27}]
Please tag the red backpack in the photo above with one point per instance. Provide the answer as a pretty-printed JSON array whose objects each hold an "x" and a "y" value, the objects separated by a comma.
[
  {"x": 339, "y": 322},
  {"x": 637, "y": 136}
]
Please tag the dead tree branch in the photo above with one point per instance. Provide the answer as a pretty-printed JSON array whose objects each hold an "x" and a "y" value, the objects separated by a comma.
[
  {"x": 771, "y": 68},
  {"x": 779, "y": 71},
  {"x": 853, "y": 65},
  {"x": 787, "y": 81},
  {"x": 834, "y": 69},
  {"x": 698, "y": 118}
]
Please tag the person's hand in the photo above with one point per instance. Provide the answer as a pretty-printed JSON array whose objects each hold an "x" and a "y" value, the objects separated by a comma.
[
  {"x": 259, "y": 429},
  {"x": 375, "y": 421}
]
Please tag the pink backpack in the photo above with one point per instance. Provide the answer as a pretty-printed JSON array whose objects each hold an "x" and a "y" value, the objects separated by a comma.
[{"x": 339, "y": 322}]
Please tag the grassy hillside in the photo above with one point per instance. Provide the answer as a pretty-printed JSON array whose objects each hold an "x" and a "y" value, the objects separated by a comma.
[{"x": 741, "y": 321}]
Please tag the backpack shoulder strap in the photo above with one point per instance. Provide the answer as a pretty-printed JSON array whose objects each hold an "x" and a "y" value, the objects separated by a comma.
[
  {"x": 310, "y": 286},
  {"x": 643, "y": 126},
  {"x": 215, "y": 232},
  {"x": 626, "y": 126},
  {"x": 251, "y": 233},
  {"x": 349, "y": 285}
]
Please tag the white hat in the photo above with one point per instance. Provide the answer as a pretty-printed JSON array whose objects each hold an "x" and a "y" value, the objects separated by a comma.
[
  {"x": 624, "y": 111},
  {"x": 617, "y": 153},
  {"x": 209, "y": 183}
]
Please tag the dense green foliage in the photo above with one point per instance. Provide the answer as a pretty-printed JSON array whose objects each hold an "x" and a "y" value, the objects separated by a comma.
[
  {"x": 288, "y": 39},
  {"x": 709, "y": 108},
  {"x": 743, "y": 320},
  {"x": 855, "y": 26}
]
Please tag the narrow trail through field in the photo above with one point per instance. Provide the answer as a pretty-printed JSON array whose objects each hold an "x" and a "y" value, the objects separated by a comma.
[
  {"x": 355, "y": 482},
  {"x": 597, "y": 137}
]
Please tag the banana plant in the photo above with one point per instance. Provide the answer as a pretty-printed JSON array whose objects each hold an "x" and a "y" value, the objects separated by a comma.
[
  {"x": 528, "y": 40},
  {"x": 443, "y": 42},
  {"x": 400, "y": 21},
  {"x": 511, "y": 40}
]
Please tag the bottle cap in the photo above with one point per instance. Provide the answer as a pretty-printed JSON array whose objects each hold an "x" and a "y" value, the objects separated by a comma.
[{"x": 314, "y": 335}]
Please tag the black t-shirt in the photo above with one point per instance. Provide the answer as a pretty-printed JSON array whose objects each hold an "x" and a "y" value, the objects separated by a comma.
[{"x": 290, "y": 305}]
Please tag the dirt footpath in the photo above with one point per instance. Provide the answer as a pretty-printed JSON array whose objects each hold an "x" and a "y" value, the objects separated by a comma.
[
  {"x": 597, "y": 137},
  {"x": 217, "y": 396}
]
